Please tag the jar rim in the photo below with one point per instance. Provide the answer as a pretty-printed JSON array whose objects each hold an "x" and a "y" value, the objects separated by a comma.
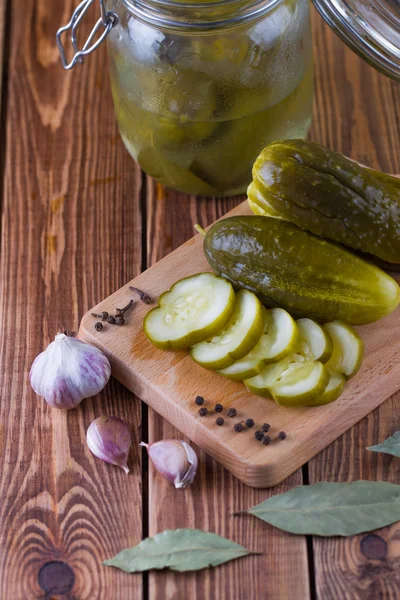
[
  {"x": 200, "y": 16},
  {"x": 371, "y": 29}
]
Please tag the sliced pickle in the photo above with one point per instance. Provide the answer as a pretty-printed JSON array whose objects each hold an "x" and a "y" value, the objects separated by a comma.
[
  {"x": 348, "y": 348},
  {"x": 294, "y": 381},
  {"x": 314, "y": 342},
  {"x": 193, "y": 310},
  {"x": 333, "y": 390},
  {"x": 261, "y": 383},
  {"x": 239, "y": 336},
  {"x": 279, "y": 340},
  {"x": 301, "y": 385}
]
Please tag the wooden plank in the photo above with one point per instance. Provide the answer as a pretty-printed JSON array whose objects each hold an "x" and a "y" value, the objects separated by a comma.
[
  {"x": 169, "y": 382},
  {"x": 281, "y": 572},
  {"x": 71, "y": 234},
  {"x": 3, "y": 39},
  {"x": 358, "y": 113}
]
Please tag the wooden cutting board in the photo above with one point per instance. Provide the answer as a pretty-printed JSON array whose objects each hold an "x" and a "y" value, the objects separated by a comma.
[{"x": 170, "y": 381}]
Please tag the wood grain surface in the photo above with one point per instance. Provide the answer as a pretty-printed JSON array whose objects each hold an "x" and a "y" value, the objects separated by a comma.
[
  {"x": 78, "y": 221},
  {"x": 67, "y": 184},
  {"x": 359, "y": 116},
  {"x": 170, "y": 381}
]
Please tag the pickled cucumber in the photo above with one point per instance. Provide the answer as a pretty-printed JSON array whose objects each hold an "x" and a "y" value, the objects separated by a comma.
[
  {"x": 348, "y": 349},
  {"x": 193, "y": 310},
  {"x": 314, "y": 341},
  {"x": 239, "y": 336},
  {"x": 293, "y": 381},
  {"x": 333, "y": 390},
  {"x": 298, "y": 271},
  {"x": 278, "y": 341},
  {"x": 326, "y": 193}
]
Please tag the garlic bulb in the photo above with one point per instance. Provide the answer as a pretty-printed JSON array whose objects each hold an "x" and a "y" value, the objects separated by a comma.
[
  {"x": 109, "y": 438},
  {"x": 69, "y": 371},
  {"x": 175, "y": 460}
]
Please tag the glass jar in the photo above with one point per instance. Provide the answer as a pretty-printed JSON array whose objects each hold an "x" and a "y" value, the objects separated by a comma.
[{"x": 200, "y": 89}]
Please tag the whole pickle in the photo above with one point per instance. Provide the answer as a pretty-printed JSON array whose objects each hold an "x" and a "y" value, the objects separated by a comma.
[
  {"x": 296, "y": 270},
  {"x": 326, "y": 193}
]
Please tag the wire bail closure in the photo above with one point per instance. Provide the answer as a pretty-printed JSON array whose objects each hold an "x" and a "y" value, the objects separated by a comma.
[{"x": 108, "y": 20}]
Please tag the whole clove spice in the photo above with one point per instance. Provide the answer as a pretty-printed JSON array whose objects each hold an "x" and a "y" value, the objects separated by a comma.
[
  {"x": 119, "y": 321},
  {"x": 98, "y": 326},
  {"x": 121, "y": 311},
  {"x": 111, "y": 320},
  {"x": 142, "y": 295}
]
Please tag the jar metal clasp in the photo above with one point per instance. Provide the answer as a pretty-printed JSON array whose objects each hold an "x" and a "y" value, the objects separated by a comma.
[{"x": 107, "y": 20}]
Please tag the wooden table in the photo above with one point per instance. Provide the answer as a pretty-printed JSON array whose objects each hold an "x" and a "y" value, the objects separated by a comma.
[{"x": 79, "y": 219}]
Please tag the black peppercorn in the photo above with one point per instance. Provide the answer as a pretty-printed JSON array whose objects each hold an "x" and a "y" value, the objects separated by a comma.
[
  {"x": 259, "y": 435},
  {"x": 199, "y": 400},
  {"x": 232, "y": 412},
  {"x": 218, "y": 408},
  {"x": 203, "y": 411},
  {"x": 267, "y": 440},
  {"x": 120, "y": 321},
  {"x": 249, "y": 423},
  {"x": 98, "y": 326},
  {"x": 111, "y": 320},
  {"x": 238, "y": 427},
  {"x": 266, "y": 427},
  {"x": 220, "y": 421},
  {"x": 104, "y": 316},
  {"x": 281, "y": 435}
]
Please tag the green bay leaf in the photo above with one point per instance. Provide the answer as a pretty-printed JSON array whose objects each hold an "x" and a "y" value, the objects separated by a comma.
[
  {"x": 330, "y": 509},
  {"x": 179, "y": 550},
  {"x": 390, "y": 446}
]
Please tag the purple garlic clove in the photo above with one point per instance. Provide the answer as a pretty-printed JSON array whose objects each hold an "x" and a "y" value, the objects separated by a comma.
[
  {"x": 175, "y": 460},
  {"x": 109, "y": 438}
]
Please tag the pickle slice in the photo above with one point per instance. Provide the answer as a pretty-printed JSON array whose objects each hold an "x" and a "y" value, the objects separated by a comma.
[
  {"x": 193, "y": 310},
  {"x": 314, "y": 342},
  {"x": 240, "y": 335},
  {"x": 269, "y": 375},
  {"x": 301, "y": 384},
  {"x": 294, "y": 381},
  {"x": 348, "y": 348},
  {"x": 333, "y": 390},
  {"x": 278, "y": 341}
]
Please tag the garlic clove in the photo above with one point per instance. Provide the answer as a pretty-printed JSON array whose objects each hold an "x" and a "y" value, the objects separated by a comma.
[
  {"x": 109, "y": 438},
  {"x": 69, "y": 371},
  {"x": 175, "y": 460}
]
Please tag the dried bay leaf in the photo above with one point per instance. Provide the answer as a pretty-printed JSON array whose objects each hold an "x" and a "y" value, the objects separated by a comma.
[
  {"x": 179, "y": 550},
  {"x": 390, "y": 446},
  {"x": 330, "y": 509}
]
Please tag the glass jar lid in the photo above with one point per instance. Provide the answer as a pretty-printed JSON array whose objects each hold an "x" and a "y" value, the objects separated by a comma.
[{"x": 369, "y": 27}]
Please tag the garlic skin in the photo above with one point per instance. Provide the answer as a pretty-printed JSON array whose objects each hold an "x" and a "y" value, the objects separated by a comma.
[
  {"x": 175, "y": 460},
  {"x": 69, "y": 371},
  {"x": 109, "y": 438}
]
